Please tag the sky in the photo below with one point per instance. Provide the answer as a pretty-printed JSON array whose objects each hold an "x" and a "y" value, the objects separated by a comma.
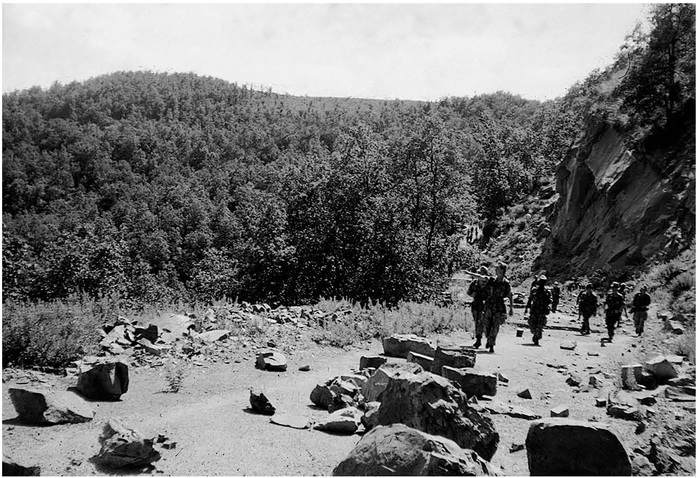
[{"x": 386, "y": 51}]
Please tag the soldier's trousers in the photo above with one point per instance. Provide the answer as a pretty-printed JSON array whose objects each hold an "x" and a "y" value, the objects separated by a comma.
[
  {"x": 492, "y": 323},
  {"x": 478, "y": 314},
  {"x": 639, "y": 317},
  {"x": 586, "y": 326},
  {"x": 537, "y": 323},
  {"x": 611, "y": 320}
]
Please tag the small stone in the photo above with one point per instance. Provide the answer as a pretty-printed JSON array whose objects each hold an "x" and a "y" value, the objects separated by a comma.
[
  {"x": 259, "y": 403},
  {"x": 305, "y": 368},
  {"x": 567, "y": 345},
  {"x": 502, "y": 378},
  {"x": 560, "y": 411},
  {"x": 123, "y": 446},
  {"x": 170, "y": 445},
  {"x": 525, "y": 394},
  {"x": 519, "y": 332},
  {"x": 271, "y": 360},
  {"x": 371, "y": 361},
  {"x": 593, "y": 354},
  {"x": 601, "y": 402},
  {"x": 574, "y": 380},
  {"x": 516, "y": 447},
  {"x": 595, "y": 381}
]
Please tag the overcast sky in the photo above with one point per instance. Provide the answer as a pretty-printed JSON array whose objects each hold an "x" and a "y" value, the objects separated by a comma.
[{"x": 405, "y": 51}]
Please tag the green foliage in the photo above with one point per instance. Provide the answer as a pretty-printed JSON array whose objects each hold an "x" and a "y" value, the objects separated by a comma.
[
  {"x": 49, "y": 334},
  {"x": 156, "y": 187},
  {"x": 661, "y": 64}
]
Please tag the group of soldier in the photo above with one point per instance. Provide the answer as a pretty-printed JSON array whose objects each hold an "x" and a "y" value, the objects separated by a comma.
[{"x": 488, "y": 307}]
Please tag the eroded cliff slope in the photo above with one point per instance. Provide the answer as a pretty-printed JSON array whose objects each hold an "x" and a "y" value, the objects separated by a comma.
[{"x": 623, "y": 203}]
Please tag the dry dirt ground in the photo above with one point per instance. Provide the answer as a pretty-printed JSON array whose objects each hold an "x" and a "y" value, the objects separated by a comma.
[{"x": 216, "y": 435}]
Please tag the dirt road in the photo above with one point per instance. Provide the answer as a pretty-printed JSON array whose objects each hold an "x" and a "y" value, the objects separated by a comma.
[{"x": 215, "y": 435}]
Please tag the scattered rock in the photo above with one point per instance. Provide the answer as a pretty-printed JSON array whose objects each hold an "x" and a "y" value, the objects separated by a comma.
[
  {"x": 472, "y": 383},
  {"x": 369, "y": 419},
  {"x": 516, "y": 447},
  {"x": 675, "y": 327},
  {"x": 271, "y": 360},
  {"x": 525, "y": 394},
  {"x": 560, "y": 411},
  {"x": 519, "y": 332},
  {"x": 595, "y": 381},
  {"x": 631, "y": 376},
  {"x": 291, "y": 421},
  {"x": 378, "y": 381},
  {"x": 661, "y": 368},
  {"x": 568, "y": 447},
  {"x": 641, "y": 466},
  {"x": 455, "y": 356},
  {"x": 682, "y": 381},
  {"x": 305, "y": 368},
  {"x": 574, "y": 379},
  {"x": 50, "y": 408},
  {"x": 214, "y": 335},
  {"x": 680, "y": 394},
  {"x": 322, "y": 396},
  {"x": 502, "y": 378},
  {"x": 123, "y": 446},
  {"x": 103, "y": 381},
  {"x": 341, "y": 401},
  {"x": 398, "y": 345},
  {"x": 10, "y": 467},
  {"x": 259, "y": 403},
  {"x": 432, "y": 404},
  {"x": 648, "y": 400},
  {"x": 345, "y": 421},
  {"x": 626, "y": 412},
  {"x": 423, "y": 360},
  {"x": 514, "y": 411},
  {"x": 399, "y": 450},
  {"x": 567, "y": 345},
  {"x": 373, "y": 361},
  {"x": 593, "y": 354},
  {"x": 601, "y": 402}
]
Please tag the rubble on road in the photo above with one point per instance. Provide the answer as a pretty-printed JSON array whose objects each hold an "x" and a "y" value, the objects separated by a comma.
[
  {"x": 399, "y": 345},
  {"x": 403, "y": 451},
  {"x": 37, "y": 407},
  {"x": 102, "y": 379},
  {"x": 122, "y": 446},
  {"x": 567, "y": 447},
  {"x": 344, "y": 421},
  {"x": 271, "y": 360},
  {"x": 259, "y": 403}
]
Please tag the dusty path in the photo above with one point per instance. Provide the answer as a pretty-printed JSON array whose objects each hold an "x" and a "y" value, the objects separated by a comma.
[{"x": 216, "y": 436}]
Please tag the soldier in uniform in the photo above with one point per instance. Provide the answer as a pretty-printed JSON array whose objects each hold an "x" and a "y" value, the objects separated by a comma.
[
  {"x": 614, "y": 306},
  {"x": 640, "y": 306},
  {"x": 498, "y": 289},
  {"x": 477, "y": 290},
  {"x": 538, "y": 303},
  {"x": 556, "y": 292},
  {"x": 587, "y": 307}
]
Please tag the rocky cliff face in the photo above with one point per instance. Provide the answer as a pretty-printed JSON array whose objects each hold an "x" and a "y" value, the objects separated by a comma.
[{"x": 622, "y": 205}]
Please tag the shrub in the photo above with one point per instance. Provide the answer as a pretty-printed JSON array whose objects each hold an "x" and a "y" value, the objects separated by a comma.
[
  {"x": 50, "y": 334},
  {"x": 175, "y": 376}
]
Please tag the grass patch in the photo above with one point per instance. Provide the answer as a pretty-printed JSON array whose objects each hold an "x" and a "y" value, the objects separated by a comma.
[{"x": 50, "y": 334}]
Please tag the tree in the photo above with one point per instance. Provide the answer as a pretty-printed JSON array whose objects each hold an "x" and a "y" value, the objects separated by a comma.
[{"x": 661, "y": 63}]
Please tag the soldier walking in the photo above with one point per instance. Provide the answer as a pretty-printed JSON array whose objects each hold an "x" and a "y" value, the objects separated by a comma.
[
  {"x": 477, "y": 290},
  {"x": 614, "y": 306},
  {"x": 587, "y": 307},
  {"x": 640, "y": 306},
  {"x": 556, "y": 293},
  {"x": 538, "y": 303},
  {"x": 498, "y": 289}
]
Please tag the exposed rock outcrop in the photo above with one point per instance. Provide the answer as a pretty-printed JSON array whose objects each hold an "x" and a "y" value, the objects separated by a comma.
[
  {"x": 403, "y": 451},
  {"x": 618, "y": 199}
]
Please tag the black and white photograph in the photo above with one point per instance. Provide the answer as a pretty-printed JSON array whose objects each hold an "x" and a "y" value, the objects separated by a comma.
[{"x": 348, "y": 239}]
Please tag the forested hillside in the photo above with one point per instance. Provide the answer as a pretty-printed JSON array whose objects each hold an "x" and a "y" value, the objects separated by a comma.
[{"x": 150, "y": 187}]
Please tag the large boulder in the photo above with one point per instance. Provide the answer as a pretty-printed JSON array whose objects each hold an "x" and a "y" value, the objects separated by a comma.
[
  {"x": 398, "y": 345},
  {"x": 472, "y": 383},
  {"x": 259, "y": 403},
  {"x": 422, "y": 360},
  {"x": 432, "y": 404},
  {"x": 124, "y": 447},
  {"x": 322, "y": 396},
  {"x": 403, "y": 451},
  {"x": 103, "y": 380},
  {"x": 371, "y": 361},
  {"x": 564, "y": 447},
  {"x": 10, "y": 467},
  {"x": 271, "y": 360},
  {"x": 377, "y": 382},
  {"x": 50, "y": 408},
  {"x": 456, "y": 356},
  {"x": 345, "y": 421},
  {"x": 661, "y": 368}
]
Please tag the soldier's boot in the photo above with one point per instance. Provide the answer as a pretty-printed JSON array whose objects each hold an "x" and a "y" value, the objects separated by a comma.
[
  {"x": 535, "y": 340},
  {"x": 477, "y": 344},
  {"x": 491, "y": 349}
]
